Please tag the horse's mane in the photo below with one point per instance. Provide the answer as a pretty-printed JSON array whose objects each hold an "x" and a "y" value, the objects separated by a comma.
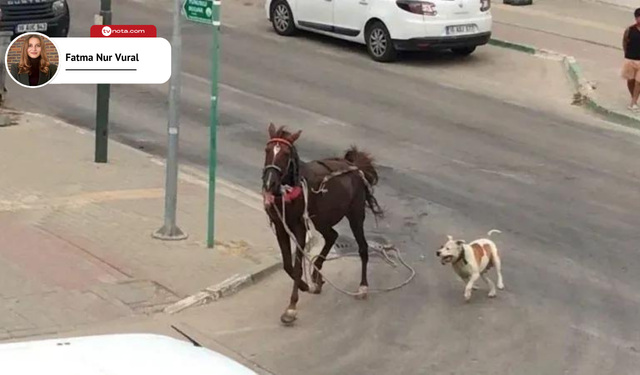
[{"x": 282, "y": 132}]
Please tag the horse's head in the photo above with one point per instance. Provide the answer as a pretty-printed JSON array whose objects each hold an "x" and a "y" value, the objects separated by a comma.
[{"x": 281, "y": 162}]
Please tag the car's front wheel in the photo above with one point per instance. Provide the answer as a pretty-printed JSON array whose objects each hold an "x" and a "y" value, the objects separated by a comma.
[
  {"x": 379, "y": 43},
  {"x": 463, "y": 51},
  {"x": 282, "y": 18}
]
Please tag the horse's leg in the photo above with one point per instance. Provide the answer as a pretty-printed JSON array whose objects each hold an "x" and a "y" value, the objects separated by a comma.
[
  {"x": 356, "y": 221},
  {"x": 285, "y": 248},
  {"x": 291, "y": 314},
  {"x": 330, "y": 237}
]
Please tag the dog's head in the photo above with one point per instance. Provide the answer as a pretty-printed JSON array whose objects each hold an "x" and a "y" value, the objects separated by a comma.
[{"x": 450, "y": 251}]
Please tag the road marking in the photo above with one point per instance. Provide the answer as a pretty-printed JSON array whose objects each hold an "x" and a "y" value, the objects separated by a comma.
[
  {"x": 81, "y": 199},
  {"x": 191, "y": 175},
  {"x": 517, "y": 177},
  {"x": 323, "y": 119},
  {"x": 225, "y": 188}
]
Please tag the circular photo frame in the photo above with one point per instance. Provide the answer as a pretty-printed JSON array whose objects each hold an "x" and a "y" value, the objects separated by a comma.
[{"x": 25, "y": 56}]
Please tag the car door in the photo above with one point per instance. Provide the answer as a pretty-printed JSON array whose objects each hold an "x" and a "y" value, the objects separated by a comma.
[
  {"x": 317, "y": 14},
  {"x": 349, "y": 16}
]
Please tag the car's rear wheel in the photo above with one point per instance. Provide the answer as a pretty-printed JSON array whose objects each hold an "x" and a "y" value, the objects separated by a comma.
[
  {"x": 379, "y": 43},
  {"x": 463, "y": 51},
  {"x": 282, "y": 18}
]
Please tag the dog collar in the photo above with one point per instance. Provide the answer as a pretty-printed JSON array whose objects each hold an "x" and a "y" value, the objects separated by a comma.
[{"x": 461, "y": 258}]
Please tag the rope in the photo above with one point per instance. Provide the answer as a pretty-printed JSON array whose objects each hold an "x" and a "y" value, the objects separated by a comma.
[
  {"x": 309, "y": 224},
  {"x": 322, "y": 187}
]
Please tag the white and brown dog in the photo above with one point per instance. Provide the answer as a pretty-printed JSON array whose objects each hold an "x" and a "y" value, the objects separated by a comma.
[{"x": 472, "y": 261}]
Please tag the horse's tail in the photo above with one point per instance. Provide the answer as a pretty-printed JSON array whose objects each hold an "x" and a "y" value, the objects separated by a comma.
[{"x": 364, "y": 162}]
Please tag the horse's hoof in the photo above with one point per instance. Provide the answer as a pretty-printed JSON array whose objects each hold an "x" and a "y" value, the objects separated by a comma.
[
  {"x": 316, "y": 289},
  {"x": 289, "y": 317},
  {"x": 362, "y": 292},
  {"x": 304, "y": 287}
]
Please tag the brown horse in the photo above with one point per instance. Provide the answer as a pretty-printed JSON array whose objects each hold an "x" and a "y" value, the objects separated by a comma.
[{"x": 346, "y": 192}]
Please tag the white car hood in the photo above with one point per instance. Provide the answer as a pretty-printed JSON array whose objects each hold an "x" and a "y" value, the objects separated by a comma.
[{"x": 119, "y": 354}]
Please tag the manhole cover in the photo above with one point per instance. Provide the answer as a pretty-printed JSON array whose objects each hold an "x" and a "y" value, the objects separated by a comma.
[{"x": 347, "y": 246}]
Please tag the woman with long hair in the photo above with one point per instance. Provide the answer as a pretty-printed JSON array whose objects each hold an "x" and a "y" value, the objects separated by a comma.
[{"x": 34, "y": 68}]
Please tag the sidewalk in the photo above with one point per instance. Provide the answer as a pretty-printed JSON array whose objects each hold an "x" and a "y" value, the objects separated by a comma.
[
  {"x": 589, "y": 31},
  {"x": 75, "y": 236}
]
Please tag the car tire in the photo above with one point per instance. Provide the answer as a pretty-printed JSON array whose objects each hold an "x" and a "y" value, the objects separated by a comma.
[
  {"x": 463, "y": 51},
  {"x": 282, "y": 18},
  {"x": 379, "y": 43}
]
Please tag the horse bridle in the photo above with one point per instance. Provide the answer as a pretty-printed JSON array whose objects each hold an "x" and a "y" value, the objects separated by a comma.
[{"x": 289, "y": 165}]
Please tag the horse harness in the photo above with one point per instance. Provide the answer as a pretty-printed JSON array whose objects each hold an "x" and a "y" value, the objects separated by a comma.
[
  {"x": 292, "y": 166},
  {"x": 294, "y": 191}
]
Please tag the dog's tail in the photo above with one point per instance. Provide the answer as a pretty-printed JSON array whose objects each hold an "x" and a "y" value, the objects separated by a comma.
[{"x": 493, "y": 231}]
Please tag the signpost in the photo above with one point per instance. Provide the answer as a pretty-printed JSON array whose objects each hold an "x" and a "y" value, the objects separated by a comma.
[{"x": 208, "y": 11}]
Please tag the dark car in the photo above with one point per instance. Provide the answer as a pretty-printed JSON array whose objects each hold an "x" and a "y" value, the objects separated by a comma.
[{"x": 49, "y": 17}]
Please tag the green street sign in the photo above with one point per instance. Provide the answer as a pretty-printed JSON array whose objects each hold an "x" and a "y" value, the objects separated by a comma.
[{"x": 199, "y": 10}]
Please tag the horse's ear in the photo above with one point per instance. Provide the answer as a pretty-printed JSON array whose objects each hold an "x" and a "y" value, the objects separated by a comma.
[
  {"x": 294, "y": 137},
  {"x": 272, "y": 130}
]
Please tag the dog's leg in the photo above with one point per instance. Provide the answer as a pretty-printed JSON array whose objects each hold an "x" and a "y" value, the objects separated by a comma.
[
  {"x": 498, "y": 264},
  {"x": 465, "y": 280},
  {"x": 492, "y": 286},
  {"x": 467, "y": 290}
]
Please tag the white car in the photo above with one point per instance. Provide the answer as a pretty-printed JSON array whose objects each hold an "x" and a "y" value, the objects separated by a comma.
[
  {"x": 116, "y": 354},
  {"x": 388, "y": 26}
]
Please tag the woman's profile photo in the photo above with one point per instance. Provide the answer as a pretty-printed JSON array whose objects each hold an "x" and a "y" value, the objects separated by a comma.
[{"x": 32, "y": 65}]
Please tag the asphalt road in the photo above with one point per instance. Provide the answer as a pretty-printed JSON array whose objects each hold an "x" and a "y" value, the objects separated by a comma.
[{"x": 460, "y": 153}]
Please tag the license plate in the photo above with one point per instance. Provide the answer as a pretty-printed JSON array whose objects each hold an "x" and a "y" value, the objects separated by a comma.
[
  {"x": 461, "y": 29},
  {"x": 31, "y": 27}
]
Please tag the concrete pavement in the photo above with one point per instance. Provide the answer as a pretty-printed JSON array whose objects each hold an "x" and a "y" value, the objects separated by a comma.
[
  {"x": 590, "y": 32},
  {"x": 76, "y": 245}
]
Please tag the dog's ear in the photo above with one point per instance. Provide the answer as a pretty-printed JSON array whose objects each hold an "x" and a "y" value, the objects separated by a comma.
[
  {"x": 450, "y": 238},
  {"x": 460, "y": 242}
]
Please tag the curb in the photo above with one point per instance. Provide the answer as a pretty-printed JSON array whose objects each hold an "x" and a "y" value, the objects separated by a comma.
[
  {"x": 227, "y": 288},
  {"x": 583, "y": 88},
  {"x": 514, "y": 46}
]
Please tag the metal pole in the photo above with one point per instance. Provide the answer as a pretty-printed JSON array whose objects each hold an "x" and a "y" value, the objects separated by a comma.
[
  {"x": 5, "y": 40},
  {"x": 170, "y": 230},
  {"x": 213, "y": 122},
  {"x": 102, "y": 105}
]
